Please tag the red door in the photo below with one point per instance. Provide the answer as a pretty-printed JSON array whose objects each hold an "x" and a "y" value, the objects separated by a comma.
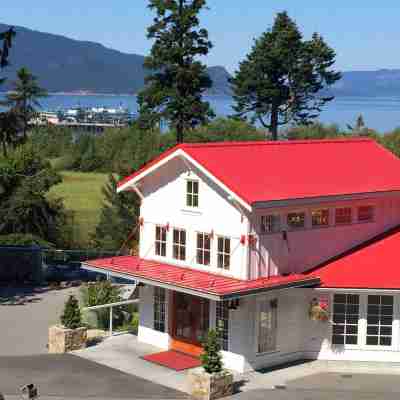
[{"x": 190, "y": 323}]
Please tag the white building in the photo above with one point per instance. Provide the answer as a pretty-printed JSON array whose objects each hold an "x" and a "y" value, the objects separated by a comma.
[{"x": 289, "y": 248}]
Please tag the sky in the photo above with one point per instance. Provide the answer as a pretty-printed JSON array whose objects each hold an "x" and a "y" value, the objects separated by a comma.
[{"x": 364, "y": 33}]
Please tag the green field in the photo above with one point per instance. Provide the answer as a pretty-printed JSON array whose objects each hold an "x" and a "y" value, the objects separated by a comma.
[{"x": 82, "y": 195}]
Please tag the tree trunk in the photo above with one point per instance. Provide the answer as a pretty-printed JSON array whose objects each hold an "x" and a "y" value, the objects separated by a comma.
[
  {"x": 179, "y": 132},
  {"x": 4, "y": 148},
  {"x": 274, "y": 121}
]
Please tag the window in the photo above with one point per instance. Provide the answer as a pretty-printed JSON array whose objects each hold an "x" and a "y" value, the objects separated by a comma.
[
  {"x": 346, "y": 309},
  {"x": 179, "y": 244},
  {"x": 161, "y": 241},
  {"x": 365, "y": 213},
  {"x": 320, "y": 217},
  {"x": 267, "y": 326},
  {"x": 343, "y": 216},
  {"x": 159, "y": 309},
  {"x": 296, "y": 220},
  {"x": 192, "y": 193},
  {"x": 222, "y": 323},
  {"x": 203, "y": 254},
  {"x": 224, "y": 252},
  {"x": 270, "y": 223},
  {"x": 379, "y": 320}
]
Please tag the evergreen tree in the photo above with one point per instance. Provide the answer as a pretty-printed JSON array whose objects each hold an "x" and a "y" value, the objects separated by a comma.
[
  {"x": 211, "y": 358},
  {"x": 9, "y": 128},
  {"x": 117, "y": 220},
  {"x": 281, "y": 79},
  {"x": 25, "y": 96},
  {"x": 174, "y": 89},
  {"x": 71, "y": 317},
  {"x": 6, "y": 39}
]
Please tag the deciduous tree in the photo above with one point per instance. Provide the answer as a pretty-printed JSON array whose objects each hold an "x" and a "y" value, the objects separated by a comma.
[
  {"x": 178, "y": 79},
  {"x": 283, "y": 78}
]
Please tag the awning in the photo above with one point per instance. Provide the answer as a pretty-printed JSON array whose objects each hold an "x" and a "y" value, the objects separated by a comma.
[{"x": 195, "y": 282}]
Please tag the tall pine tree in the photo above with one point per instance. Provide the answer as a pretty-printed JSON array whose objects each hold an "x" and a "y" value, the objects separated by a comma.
[
  {"x": 6, "y": 39},
  {"x": 174, "y": 89},
  {"x": 282, "y": 78}
]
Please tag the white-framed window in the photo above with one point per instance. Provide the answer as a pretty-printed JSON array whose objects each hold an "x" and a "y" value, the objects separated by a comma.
[
  {"x": 179, "y": 244},
  {"x": 365, "y": 213},
  {"x": 224, "y": 252},
  {"x": 296, "y": 220},
  {"x": 267, "y": 325},
  {"x": 270, "y": 223},
  {"x": 159, "y": 309},
  {"x": 320, "y": 217},
  {"x": 192, "y": 193},
  {"x": 379, "y": 320},
  {"x": 346, "y": 311},
  {"x": 203, "y": 250},
  {"x": 161, "y": 241},
  {"x": 222, "y": 323},
  {"x": 343, "y": 216}
]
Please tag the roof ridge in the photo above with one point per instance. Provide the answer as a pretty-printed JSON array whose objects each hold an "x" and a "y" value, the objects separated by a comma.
[{"x": 274, "y": 143}]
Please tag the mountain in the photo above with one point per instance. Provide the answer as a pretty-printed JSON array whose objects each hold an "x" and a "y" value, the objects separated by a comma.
[{"x": 67, "y": 65}]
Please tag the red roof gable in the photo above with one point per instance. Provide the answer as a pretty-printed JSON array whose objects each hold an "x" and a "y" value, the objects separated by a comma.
[
  {"x": 372, "y": 265},
  {"x": 283, "y": 170},
  {"x": 199, "y": 283}
]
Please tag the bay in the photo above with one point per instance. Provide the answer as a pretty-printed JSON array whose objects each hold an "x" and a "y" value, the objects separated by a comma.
[{"x": 380, "y": 113}]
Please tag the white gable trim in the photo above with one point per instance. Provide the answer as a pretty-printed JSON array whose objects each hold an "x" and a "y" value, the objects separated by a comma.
[{"x": 184, "y": 155}]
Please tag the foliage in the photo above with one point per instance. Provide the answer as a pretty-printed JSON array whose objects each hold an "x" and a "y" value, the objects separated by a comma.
[
  {"x": 316, "y": 130},
  {"x": 17, "y": 239},
  {"x": 392, "y": 141},
  {"x": 132, "y": 325},
  {"x": 99, "y": 293},
  {"x": 25, "y": 181},
  {"x": 71, "y": 317},
  {"x": 25, "y": 95},
  {"x": 211, "y": 358},
  {"x": 6, "y": 39},
  {"x": 173, "y": 91},
  {"x": 281, "y": 78},
  {"x": 10, "y": 126},
  {"x": 118, "y": 216}
]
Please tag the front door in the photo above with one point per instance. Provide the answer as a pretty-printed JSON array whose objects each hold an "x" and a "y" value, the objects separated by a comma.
[{"x": 190, "y": 323}]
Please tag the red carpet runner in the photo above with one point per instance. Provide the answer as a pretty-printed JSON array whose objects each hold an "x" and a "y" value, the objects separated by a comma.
[{"x": 173, "y": 360}]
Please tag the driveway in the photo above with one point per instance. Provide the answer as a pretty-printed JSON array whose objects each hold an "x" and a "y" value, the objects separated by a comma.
[
  {"x": 71, "y": 377},
  {"x": 25, "y": 316}
]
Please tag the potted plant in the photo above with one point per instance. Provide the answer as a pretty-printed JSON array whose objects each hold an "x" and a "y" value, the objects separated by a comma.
[
  {"x": 318, "y": 310},
  {"x": 211, "y": 381},
  {"x": 71, "y": 335}
]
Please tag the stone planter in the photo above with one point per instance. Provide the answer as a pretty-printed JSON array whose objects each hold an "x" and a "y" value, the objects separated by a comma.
[
  {"x": 63, "y": 340},
  {"x": 205, "y": 386}
]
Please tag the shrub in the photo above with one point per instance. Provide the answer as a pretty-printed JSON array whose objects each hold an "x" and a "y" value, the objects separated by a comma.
[
  {"x": 211, "y": 358},
  {"x": 71, "y": 317}
]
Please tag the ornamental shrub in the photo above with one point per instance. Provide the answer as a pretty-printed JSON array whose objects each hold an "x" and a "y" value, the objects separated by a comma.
[
  {"x": 211, "y": 358},
  {"x": 71, "y": 317}
]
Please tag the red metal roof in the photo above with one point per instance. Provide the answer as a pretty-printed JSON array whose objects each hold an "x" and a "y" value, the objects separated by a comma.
[
  {"x": 372, "y": 265},
  {"x": 197, "y": 282},
  {"x": 283, "y": 170}
]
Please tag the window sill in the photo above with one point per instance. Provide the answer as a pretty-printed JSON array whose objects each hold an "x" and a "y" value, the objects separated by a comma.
[{"x": 191, "y": 211}]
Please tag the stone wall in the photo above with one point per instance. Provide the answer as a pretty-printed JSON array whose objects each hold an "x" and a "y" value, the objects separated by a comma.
[
  {"x": 205, "y": 386},
  {"x": 62, "y": 340}
]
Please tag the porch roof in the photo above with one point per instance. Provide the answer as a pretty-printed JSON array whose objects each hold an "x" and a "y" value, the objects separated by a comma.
[{"x": 198, "y": 283}]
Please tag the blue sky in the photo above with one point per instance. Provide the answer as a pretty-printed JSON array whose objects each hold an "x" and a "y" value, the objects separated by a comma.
[{"x": 364, "y": 33}]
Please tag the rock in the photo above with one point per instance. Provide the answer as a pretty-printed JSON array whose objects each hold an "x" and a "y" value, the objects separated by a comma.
[
  {"x": 63, "y": 340},
  {"x": 205, "y": 386}
]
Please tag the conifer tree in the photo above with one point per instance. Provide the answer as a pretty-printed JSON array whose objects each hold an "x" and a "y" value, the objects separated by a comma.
[
  {"x": 71, "y": 318},
  {"x": 174, "y": 89},
  {"x": 284, "y": 77},
  {"x": 211, "y": 358},
  {"x": 6, "y": 39}
]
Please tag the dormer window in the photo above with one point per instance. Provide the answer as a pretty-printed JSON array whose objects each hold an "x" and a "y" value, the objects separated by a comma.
[{"x": 192, "y": 193}]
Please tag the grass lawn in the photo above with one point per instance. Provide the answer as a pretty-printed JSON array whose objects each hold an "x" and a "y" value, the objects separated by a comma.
[{"x": 82, "y": 194}]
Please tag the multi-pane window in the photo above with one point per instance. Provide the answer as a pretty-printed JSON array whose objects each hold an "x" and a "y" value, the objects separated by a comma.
[
  {"x": 270, "y": 223},
  {"x": 267, "y": 325},
  {"x": 222, "y": 323},
  {"x": 203, "y": 253},
  {"x": 320, "y": 217},
  {"x": 365, "y": 213},
  {"x": 296, "y": 220},
  {"x": 161, "y": 241},
  {"x": 343, "y": 216},
  {"x": 379, "y": 320},
  {"x": 346, "y": 308},
  {"x": 192, "y": 193},
  {"x": 159, "y": 309},
  {"x": 179, "y": 244},
  {"x": 224, "y": 252}
]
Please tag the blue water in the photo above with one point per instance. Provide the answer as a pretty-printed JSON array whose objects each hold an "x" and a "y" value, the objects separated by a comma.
[{"x": 380, "y": 113}]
